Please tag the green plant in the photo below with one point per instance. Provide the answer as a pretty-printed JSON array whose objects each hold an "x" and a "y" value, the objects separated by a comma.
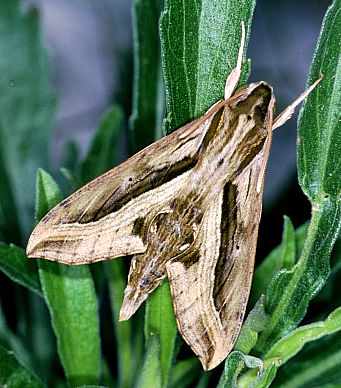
[{"x": 196, "y": 40}]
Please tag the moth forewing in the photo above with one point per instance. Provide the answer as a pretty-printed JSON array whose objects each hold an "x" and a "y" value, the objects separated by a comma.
[
  {"x": 233, "y": 139},
  {"x": 210, "y": 283},
  {"x": 109, "y": 217}
]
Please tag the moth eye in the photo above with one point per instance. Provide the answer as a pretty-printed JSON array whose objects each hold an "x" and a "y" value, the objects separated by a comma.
[
  {"x": 130, "y": 179},
  {"x": 249, "y": 117},
  {"x": 221, "y": 161}
]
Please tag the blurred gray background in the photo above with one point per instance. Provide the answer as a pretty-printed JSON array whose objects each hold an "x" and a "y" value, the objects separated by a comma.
[{"x": 87, "y": 39}]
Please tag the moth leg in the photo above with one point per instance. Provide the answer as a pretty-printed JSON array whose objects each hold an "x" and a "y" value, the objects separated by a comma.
[
  {"x": 233, "y": 78},
  {"x": 289, "y": 111}
]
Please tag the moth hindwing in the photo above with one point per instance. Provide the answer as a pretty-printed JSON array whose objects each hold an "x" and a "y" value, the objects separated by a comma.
[{"x": 187, "y": 207}]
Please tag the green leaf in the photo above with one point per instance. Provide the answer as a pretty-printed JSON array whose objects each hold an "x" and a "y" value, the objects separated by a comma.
[
  {"x": 103, "y": 150},
  {"x": 27, "y": 109},
  {"x": 283, "y": 256},
  {"x": 151, "y": 371},
  {"x": 127, "y": 353},
  {"x": 13, "y": 374},
  {"x": 288, "y": 346},
  {"x": 14, "y": 263},
  {"x": 160, "y": 323},
  {"x": 69, "y": 166},
  {"x": 287, "y": 257},
  {"x": 200, "y": 42},
  {"x": 71, "y": 299},
  {"x": 70, "y": 296},
  {"x": 317, "y": 365},
  {"x": 254, "y": 323},
  {"x": 148, "y": 89},
  {"x": 71, "y": 179},
  {"x": 330, "y": 294},
  {"x": 204, "y": 380},
  {"x": 70, "y": 156},
  {"x": 235, "y": 363},
  {"x": 263, "y": 380},
  {"x": 233, "y": 367},
  {"x": 16, "y": 343},
  {"x": 319, "y": 145},
  {"x": 184, "y": 373},
  {"x": 290, "y": 291},
  {"x": 47, "y": 194}
]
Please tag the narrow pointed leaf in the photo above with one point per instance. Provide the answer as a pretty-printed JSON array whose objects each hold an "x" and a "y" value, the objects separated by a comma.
[
  {"x": 319, "y": 146},
  {"x": 288, "y": 346},
  {"x": 126, "y": 351},
  {"x": 14, "y": 263},
  {"x": 103, "y": 149},
  {"x": 200, "y": 41},
  {"x": 151, "y": 371},
  {"x": 160, "y": 323},
  {"x": 292, "y": 344},
  {"x": 70, "y": 297},
  {"x": 236, "y": 362},
  {"x": 148, "y": 93},
  {"x": 290, "y": 291},
  {"x": 318, "y": 365},
  {"x": 272, "y": 264}
]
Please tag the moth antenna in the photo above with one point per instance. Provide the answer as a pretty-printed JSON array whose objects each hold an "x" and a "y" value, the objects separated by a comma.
[
  {"x": 281, "y": 119},
  {"x": 284, "y": 116},
  {"x": 233, "y": 78}
]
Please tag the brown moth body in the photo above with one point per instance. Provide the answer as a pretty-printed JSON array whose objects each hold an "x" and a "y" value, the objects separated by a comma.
[{"x": 187, "y": 207}]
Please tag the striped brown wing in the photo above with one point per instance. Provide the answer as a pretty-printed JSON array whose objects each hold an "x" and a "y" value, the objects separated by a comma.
[
  {"x": 210, "y": 284},
  {"x": 109, "y": 217}
]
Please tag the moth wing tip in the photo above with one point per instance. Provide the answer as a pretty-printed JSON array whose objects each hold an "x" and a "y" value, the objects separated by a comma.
[
  {"x": 30, "y": 251},
  {"x": 131, "y": 302},
  {"x": 208, "y": 364},
  {"x": 125, "y": 314}
]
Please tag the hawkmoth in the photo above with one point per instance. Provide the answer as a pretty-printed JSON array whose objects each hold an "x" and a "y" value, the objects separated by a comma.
[{"x": 186, "y": 207}]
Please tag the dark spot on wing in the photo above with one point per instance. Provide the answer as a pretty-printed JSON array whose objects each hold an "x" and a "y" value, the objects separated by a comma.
[
  {"x": 149, "y": 180},
  {"x": 138, "y": 228},
  {"x": 228, "y": 225}
]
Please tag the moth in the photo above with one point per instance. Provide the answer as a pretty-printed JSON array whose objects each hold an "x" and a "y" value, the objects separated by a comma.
[{"x": 187, "y": 207}]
